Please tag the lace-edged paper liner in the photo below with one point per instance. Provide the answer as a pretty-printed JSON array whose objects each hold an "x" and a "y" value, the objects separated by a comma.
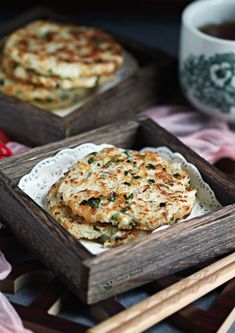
[{"x": 44, "y": 174}]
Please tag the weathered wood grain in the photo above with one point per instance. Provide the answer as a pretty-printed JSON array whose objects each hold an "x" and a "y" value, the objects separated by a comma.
[
  {"x": 38, "y": 231},
  {"x": 41, "y": 314},
  {"x": 125, "y": 134},
  {"x": 33, "y": 126},
  {"x": 165, "y": 252},
  {"x": 94, "y": 278},
  {"x": 121, "y": 134}
]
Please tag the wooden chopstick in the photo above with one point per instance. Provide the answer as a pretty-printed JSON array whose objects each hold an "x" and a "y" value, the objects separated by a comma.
[
  {"x": 170, "y": 300},
  {"x": 227, "y": 323}
]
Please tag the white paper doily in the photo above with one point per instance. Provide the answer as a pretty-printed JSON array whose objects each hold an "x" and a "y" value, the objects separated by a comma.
[{"x": 45, "y": 173}]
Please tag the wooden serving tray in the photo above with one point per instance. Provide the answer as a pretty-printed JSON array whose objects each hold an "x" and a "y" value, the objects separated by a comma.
[
  {"x": 21, "y": 120},
  {"x": 56, "y": 310},
  {"x": 94, "y": 278}
]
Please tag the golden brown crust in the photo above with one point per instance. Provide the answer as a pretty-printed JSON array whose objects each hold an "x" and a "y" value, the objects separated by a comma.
[
  {"x": 66, "y": 51},
  {"x": 128, "y": 189},
  {"x": 46, "y": 98},
  {"x": 108, "y": 235},
  {"x": 17, "y": 72}
]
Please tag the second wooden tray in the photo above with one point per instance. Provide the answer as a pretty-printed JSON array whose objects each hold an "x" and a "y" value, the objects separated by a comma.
[
  {"x": 22, "y": 120},
  {"x": 94, "y": 278}
]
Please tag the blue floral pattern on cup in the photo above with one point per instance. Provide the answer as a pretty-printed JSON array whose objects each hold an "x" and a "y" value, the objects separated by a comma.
[{"x": 211, "y": 79}]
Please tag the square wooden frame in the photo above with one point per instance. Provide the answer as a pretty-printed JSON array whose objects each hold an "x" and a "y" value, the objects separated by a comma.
[
  {"x": 21, "y": 120},
  {"x": 94, "y": 278}
]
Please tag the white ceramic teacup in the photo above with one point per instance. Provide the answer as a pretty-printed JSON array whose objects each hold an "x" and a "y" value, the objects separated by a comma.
[{"x": 207, "y": 64}]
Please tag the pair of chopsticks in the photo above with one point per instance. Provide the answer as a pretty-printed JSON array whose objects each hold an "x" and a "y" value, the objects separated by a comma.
[{"x": 159, "y": 306}]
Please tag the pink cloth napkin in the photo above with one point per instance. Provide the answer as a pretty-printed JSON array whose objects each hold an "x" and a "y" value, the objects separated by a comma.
[
  {"x": 10, "y": 322},
  {"x": 9, "y": 148},
  {"x": 16, "y": 147},
  {"x": 211, "y": 138}
]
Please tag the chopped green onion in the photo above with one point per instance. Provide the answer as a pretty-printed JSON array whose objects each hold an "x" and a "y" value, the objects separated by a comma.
[
  {"x": 92, "y": 202},
  {"x": 129, "y": 197},
  {"x": 112, "y": 197},
  {"x": 176, "y": 175},
  {"x": 150, "y": 166},
  {"x": 132, "y": 224},
  {"x": 136, "y": 177}
]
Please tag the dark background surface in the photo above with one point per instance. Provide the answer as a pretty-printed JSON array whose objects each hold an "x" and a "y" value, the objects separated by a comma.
[
  {"x": 157, "y": 29},
  {"x": 155, "y": 22},
  {"x": 130, "y": 5}
]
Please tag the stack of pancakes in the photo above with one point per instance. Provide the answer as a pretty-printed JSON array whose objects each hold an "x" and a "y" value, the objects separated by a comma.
[
  {"x": 53, "y": 65},
  {"x": 115, "y": 195}
]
